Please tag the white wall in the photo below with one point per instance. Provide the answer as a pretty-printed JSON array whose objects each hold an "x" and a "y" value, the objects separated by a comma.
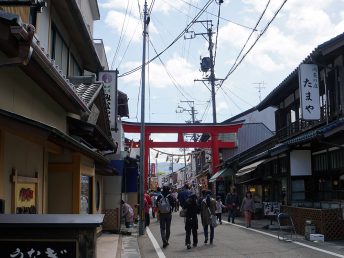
[
  {"x": 300, "y": 163},
  {"x": 22, "y": 96}
]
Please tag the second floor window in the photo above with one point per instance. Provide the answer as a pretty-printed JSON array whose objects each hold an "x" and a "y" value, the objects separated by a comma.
[
  {"x": 62, "y": 55},
  {"x": 59, "y": 50}
]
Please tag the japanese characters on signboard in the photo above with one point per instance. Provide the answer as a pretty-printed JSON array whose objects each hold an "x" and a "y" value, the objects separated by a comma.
[
  {"x": 109, "y": 79},
  {"x": 309, "y": 92},
  {"x": 153, "y": 170}
]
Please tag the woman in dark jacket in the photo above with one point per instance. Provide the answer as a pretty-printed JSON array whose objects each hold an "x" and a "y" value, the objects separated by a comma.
[{"x": 191, "y": 221}]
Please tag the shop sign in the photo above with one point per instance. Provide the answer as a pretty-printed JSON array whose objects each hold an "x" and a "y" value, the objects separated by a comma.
[
  {"x": 109, "y": 79},
  {"x": 309, "y": 92},
  {"x": 38, "y": 248},
  {"x": 272, "y": 208}
]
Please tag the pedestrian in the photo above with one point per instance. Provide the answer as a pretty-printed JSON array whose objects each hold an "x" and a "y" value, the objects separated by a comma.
[
  {"x": 232, "y": 203},
  {"x": 208, "y": 206},
  {"x": 165, "y": 204},
  {"x": 183, "y": 195},
  {"x": 158, "y": 193},
  {"x": 219, "y": 206},
  {"x": 191, "y": 221},
  {"x": 247, "y": 206},
  {"x": 127, "y": 213},
  {"x": 154, "y": 208},
  {"x": 147, "y": 206}
]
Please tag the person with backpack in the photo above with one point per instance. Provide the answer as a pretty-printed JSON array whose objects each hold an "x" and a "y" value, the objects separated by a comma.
[
  {"x": 165, "y": 203},
  {"x": 191, "y": 221}
]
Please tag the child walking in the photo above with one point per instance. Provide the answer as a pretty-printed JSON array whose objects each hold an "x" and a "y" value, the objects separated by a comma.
[{"x": 219, "y": 206}]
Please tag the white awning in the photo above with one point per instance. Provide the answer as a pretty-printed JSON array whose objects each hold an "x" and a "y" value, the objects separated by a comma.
[
  {"x": 222, "y": 172},
  {"x": 249, "y": 168}
]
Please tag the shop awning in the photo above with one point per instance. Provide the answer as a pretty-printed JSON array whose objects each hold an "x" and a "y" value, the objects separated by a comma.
[
  {"x": 249, "y": 168},
  {"x": 222, "y": 172}
]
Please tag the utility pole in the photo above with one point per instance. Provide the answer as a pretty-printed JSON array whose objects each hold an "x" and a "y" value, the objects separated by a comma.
[
  {"x": 259, "y": 87},
  {"x": 208, "y": 63},
  {"x": 191, "y": 111},
  {"x": 142, "y": 136}
]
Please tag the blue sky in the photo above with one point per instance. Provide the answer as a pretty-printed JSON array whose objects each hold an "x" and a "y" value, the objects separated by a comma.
[{"x": 298, "y": 28}]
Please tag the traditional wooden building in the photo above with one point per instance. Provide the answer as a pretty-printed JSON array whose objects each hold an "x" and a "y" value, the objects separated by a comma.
[
  {"x": 54, "y": 127},
  {"x": 302, "y": 167}
]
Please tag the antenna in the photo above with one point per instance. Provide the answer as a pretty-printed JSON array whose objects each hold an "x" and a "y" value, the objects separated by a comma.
[{"x": 260, "y": 87}]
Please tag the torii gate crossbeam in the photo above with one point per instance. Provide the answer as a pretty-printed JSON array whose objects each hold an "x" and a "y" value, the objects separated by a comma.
[{"x": 213, "y": 143}]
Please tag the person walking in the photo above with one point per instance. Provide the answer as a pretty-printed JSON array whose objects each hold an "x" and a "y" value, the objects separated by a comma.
[
  {"x": 208, "y": 206},
  {"x": 147, "y": 206},
  {"x": 165, "y": 204},
  {"x": 183, "y": 195},
  {"x": 158, "y": 193},
  {"x": 232, "y": 203},
  {"x": 247, "y": 206},
  {"x": 191, "y": 221},
  {"x": 127, "y": 213},
  {"x": 219, "y": 206}
]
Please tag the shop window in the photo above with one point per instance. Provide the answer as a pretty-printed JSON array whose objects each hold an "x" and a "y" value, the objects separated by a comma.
[
  {"x": 86, "y": 195},
  {"x": 298, "y": 190}
]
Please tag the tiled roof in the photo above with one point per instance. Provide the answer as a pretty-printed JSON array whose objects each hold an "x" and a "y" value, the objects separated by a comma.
[
  {"x": 86, "y": 87},
  {"x": 285, "y": 86}
]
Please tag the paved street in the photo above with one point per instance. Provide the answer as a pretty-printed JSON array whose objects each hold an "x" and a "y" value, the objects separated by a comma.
[{"x": 233, "y": 241}]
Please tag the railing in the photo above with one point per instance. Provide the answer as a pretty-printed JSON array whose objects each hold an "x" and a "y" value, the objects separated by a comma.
[{"x": 302, "y": 125}]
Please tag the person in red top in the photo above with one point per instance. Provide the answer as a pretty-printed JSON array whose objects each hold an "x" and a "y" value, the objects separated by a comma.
[{"x": 147, "y": 206}]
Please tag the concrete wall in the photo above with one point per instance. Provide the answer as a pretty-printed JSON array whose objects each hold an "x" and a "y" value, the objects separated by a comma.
[
  {"x": 85, "y": 8},
  {"x": 43, "y": 27},
  {"x": 21, "y": 95},
  {"x": 27, "y": 158},
  {"x": 112, "y": 192}
]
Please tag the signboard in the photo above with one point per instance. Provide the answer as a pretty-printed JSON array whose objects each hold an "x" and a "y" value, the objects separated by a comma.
[
  {"x": 110, "y": 89},
  {"x": 309, "y": 92},
  {"x": 39, "y": 248},
  {"x": 271, "y": 208},
  {"x": 153, "y": 170}
]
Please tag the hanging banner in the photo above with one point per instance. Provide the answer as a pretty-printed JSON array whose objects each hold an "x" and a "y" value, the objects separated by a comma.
[
  {"x": 110, "y": 89},
  {"x": 153, "y": 170},
  {"x": 309, "y": 92}
]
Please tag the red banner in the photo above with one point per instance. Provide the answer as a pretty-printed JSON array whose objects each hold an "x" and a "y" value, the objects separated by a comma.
[{"x": 153, "y": 170}]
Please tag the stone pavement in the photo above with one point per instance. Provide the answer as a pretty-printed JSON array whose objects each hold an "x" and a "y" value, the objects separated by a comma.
[{"x": 125, "y": 245}]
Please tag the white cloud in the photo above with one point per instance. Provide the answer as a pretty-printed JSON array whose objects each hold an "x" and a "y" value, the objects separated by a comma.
[
  {"x": 182, "y": 72},
  {"x": 164, "y": 6}
]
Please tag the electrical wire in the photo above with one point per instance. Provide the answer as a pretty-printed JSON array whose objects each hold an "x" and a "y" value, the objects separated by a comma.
[
  {"x": 174, "y": 82},
  {"x": 205, "y": 110},
  {"x": 173, "y": 42},
  {"x": 254, "y": 43},
  {"x": 238, "y": 24},
  {"x": 151, "y": 7},
  {"x": 120, "y": 37},
  {"x": 217, "y": 31}
]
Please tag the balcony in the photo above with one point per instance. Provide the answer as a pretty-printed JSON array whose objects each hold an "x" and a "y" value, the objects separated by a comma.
[{"x": 300, "y": 125}]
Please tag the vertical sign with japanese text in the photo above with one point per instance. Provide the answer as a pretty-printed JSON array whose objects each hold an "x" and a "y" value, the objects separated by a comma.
[
  {"x": 109, "y": 80},
  {"x": 153, "y": 170},
  {"x": 309, "y": 92}
]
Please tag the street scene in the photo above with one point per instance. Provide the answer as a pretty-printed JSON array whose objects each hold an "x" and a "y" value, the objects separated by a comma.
[
  {"x": 235, "y": 240},
  {"x": 143, "y": 128}
]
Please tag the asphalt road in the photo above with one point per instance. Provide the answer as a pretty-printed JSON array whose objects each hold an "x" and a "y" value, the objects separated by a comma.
[{"x": 230, "y": 241}]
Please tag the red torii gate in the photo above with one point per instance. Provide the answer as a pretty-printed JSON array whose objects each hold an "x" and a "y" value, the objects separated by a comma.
[{"x": 212, "y": 129}]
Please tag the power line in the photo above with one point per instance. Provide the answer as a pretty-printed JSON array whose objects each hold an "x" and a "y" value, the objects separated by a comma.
[
  {"x": 196, "y": 7},
  {"x": 174, "y": 82},
  {"x": 254, "y": 43},
  {"x": 174, "y": 41},
  {"x": 217, "y": 30},
  {"x": 121, "y": 36}
]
